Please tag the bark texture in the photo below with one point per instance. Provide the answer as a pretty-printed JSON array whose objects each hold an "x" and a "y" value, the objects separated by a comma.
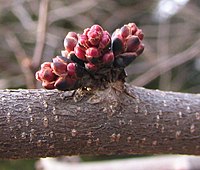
[{"x": 117, "y": 120}]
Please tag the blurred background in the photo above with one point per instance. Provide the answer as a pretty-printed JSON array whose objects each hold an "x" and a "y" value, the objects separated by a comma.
[{"x": 32, "y": 31}]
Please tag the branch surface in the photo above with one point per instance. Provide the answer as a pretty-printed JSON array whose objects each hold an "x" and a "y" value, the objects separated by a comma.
[{"x": 129, "y": 120}]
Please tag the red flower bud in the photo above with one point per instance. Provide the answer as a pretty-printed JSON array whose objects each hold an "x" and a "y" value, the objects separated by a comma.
[
  {"x": 79, "y": 53},
  {"x": 71, "y": 69},
  {"x": 95, "y": 34},
  {"x": 83, "y": 41},
  {"x": 125, "y": 31},
  {"x": 69, "y": 43},
  {"x": 105, "y": 41},
  {"x": 92, "y": 54},
  {"x": 108, "y": 58},
  {"x": 133, "y": 28},
  {"x": 59, "y": 68},
  {"x": 46, "y": 65},
  {"x": 72, "y": 34},
  {"x": 46, "y": 74},
  {"x": 97, "y": 28}
]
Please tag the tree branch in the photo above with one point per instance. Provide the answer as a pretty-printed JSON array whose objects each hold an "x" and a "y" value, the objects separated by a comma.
[{"x": 41, "y": 123}]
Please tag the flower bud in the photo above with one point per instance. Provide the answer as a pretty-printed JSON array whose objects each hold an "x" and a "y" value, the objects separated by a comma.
[
  {"x": 132, "y": 43},
  {"x": 140, "y": 49},
  {"x": 69, "y": 43},
  {"x": 58, "y": 66},
  {"x": 79, "y": 53},
  {"x": 75, "y": 59},
  {"x": 117, "y": 45},
  {"x": 97, "y": 28},
  {"x": 62, "y": 59},
  {"x": 45, "y": 74},
  {"x": 124, "y": 59},
  {"x": 133, "y": 28},
  {"x": 108, "y": 58},
  {"x": 72, "y": 34},
  {"x": 65, "y": 83},
  {"x": 92, "y": 55},
  {"x": 105, "y": 41},
  {"x": 46, "y": 65},
  {"x": 71, "y": 69},
  {"x": 83, "y": 41},
  {"x": 95, "y": 35},
  {"x": 125, "y": 31},
  {"x": 140, "y": 34}
]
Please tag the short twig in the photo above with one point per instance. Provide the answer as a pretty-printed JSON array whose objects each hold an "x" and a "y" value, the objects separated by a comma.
[
  {"x": 22, "y": 59},
  {"x": 41, "y": 34}
]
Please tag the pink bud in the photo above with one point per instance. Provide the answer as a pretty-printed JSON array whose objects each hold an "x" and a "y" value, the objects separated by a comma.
[
  {"x": 59, "y": 68},
  {"x": 108, "y": 58},
  {"x": 72, "y": 34},
  {"x": 97, "y": 27},
  {"x": 125, "y": 31},
  {"x": 140, "y": 34},
  {"x": 46, "y": 65},
  {"x": 105, "y": 41},
  {"x": 69, "y": 43},
  {"x": 79, "y": 52},
  {"x": 133, "y": 28},
  {"x": 46, "y": 74},
  {"x": 83, "y": 41},
  {"x": 71, "y": 69},
  {"x": 92, "y": 54}
]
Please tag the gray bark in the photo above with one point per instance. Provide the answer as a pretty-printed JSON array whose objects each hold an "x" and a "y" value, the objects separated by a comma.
[{"x": 117, "y": 120}]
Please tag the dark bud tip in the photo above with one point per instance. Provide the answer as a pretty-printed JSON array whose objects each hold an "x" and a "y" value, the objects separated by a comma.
[
  {"x": 140, "y": 49},
  {"x": 65, "y": 83},
  {"x": 124, "y": 59},
  {"x": 59, "y": 68},
  {"x": 133, "y": 43},
  {"x": 75, "y": 59},
  {"x": 117, "y": 46}
]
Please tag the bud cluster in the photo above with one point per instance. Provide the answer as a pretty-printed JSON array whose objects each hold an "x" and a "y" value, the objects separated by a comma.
[
  {"x": 92, "y": 53},
  {"x": 127, "y": 44}
]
